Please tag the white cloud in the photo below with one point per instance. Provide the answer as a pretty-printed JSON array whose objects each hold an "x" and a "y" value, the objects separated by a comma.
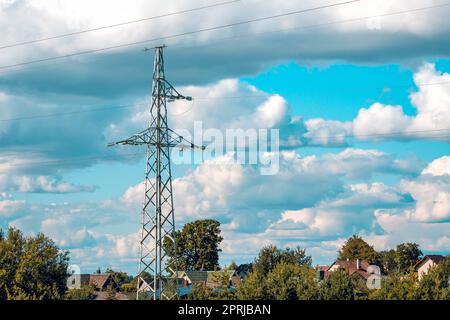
[
  {"x": 382, "y": 122},
  {"x": 46, "y": 184},
  {"x": 438, "y": 167}
]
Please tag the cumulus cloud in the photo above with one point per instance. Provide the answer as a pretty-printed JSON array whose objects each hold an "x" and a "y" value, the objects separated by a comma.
[
  {"x": 381, "y": 122},
  {"x": 433, "y": 112},
  {"x": 40, "y": 184},
  {"x": 439, "y": 167},
  {"x": 247, "y": 201},
  {"x": 395, "y": 38}
]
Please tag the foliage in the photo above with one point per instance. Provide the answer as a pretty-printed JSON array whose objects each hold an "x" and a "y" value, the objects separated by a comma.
[
  {"x": 232, "y": 266},
  {"x": 200, "y": 292},
  {"x": 435, "y": 285},
  {"x": 31, "y": 268},
  {"x": 388, "y": 262},
  {"x": 338, "y": 286},
  {"x": 111, "y": 293},
  {"x": 278, "y": 273},
  {"x": 84, "y": 293},
  {"x": 397, "y": 287},
  {"x": 356, "y": 248},
  {"x": 407, "y": 254},
  {"x": 290, "y": 281},
  {"x": 270, "y": 256},
  {"x": 197, "y": 245},
  {"x": 119, "y": 277}
]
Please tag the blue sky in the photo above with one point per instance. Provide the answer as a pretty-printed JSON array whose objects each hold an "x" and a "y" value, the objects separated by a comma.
[{"x": 354, "y": 101}]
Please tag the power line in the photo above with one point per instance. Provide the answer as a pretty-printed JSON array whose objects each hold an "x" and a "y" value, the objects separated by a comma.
[
  {"x": 176, "y": 35},
  {"x": 311, "y": 26},
  {"x": 398, "y": 134},
  {"x": 438, "y": 133},
  {"x": 259, "y": 33},
  {"x": 117, "y": 24},
  {"x": 100, "y": 109}
]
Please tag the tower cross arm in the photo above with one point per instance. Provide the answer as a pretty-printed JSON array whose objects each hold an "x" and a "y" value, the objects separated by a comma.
[
  {"x": 172, "y": 94},
  {"x": 138, "y": 139}
]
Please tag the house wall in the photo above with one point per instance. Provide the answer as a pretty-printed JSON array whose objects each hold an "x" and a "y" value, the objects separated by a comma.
[
  {"x": 424, "y": 268},
  {"x": 334, "y": 268}
]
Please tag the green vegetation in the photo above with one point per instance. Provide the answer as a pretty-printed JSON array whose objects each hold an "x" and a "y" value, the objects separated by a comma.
[
  {"x": 84, "y": 293},
  {"x": 31, "y": 268},
  {"x": 197, "y": 245},
  {"x": 35, "y": 268}
]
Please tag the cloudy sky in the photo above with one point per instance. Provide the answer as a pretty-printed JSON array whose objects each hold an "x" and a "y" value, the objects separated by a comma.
[{"x": 360, "y": 92}]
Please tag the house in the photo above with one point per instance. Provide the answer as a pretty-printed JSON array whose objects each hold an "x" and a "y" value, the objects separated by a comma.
[
  {"x": 426, "y": 263},
  {"x": 101, "y": 282},
  {"x": 321, "y": 272},
  {"x": 358, "y": 267},
  {"x": 209, "y": 278},
  {"x": 243, "y": 270}
]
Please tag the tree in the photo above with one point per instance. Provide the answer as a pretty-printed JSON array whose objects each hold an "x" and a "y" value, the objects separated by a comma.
[
  {"x": 397, "y": 287},
  {"x": 31, "y": 267},
  {"x": 111, "y": 293},
  {"x": 197, "y": 245},
  {"x": 270, "y": 256},
  {"x": 84, "y": 293},
  {"x": 119, "y": 277},
  {"x": 388, "y": 261},
  {"x": 338, "y": 286},
  {"x": 232, "y": 266},
  {"x": 356, "y": 248},
  {"x": 200, "y": 292},
  {"x": 435, "y": 284},
  {"x": 261, "y": 282},
  {"x": 289, "y": 281},
  {"x": 406, "y": 256},
  {"x": 252, "y": 288}
]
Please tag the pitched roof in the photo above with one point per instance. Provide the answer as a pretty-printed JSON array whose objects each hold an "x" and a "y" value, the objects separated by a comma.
[
  {"x": 436, "y": 258},
  {"x": 211, "y": 274},
  {"x": 322, "y": 268},
  {"x": 197, "y": 276},
  {"x": 351, "y": 267},
  {"x": 97, "y": 280},
  {"x": 204, "y": 276}
]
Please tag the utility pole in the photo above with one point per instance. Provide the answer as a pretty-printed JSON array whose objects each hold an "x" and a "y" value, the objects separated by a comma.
[{"x": 157, "y": 273}]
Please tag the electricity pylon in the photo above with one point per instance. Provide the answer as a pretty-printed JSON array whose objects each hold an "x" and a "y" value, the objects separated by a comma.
[{"x": 158, "y": 220}]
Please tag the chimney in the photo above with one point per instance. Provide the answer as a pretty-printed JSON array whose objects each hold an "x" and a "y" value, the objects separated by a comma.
[{"x": 357, "y": 264}]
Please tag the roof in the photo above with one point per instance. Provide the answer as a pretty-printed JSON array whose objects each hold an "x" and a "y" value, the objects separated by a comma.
[
  {"x": 97, "y": 280},
  {"x": 351, "y": 267},
  {"x": 204, "y": 276},
  {"x": 211, "y": 274},
  {"x": 197, "y": 276},
  {"x": 322, "y": 268},
  {"x": 436, "y": 258}
]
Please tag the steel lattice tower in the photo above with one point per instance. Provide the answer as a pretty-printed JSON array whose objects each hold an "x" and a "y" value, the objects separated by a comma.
[{"x": 158, "y": 220}]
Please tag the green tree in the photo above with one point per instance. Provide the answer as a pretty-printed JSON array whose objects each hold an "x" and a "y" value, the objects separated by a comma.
[
  {"x": 288, "y": 281},
  {"x": 270, "y": 256},
  {"x": 232, "y": 266},
  {"x": 435, "y": 284},
  {"x": 84, "y": 293},
  {"x": 252, "y": 288},
  {"x": 388, "y": 261},
  {"x": 197, "y": 245},
  {"x": 222, "y": 291},
  {"x": 111, "y": 293},
  {"x": 397, "y": 287},
  {"x": 338, "y": 286},
  {"x": 31, "y": 267},
  {"x": 406, "y": 256},
  {"x": 200, "y": 292},
  {"x": 356, "y": 248},
  {"x": 119, "y": 277}
]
